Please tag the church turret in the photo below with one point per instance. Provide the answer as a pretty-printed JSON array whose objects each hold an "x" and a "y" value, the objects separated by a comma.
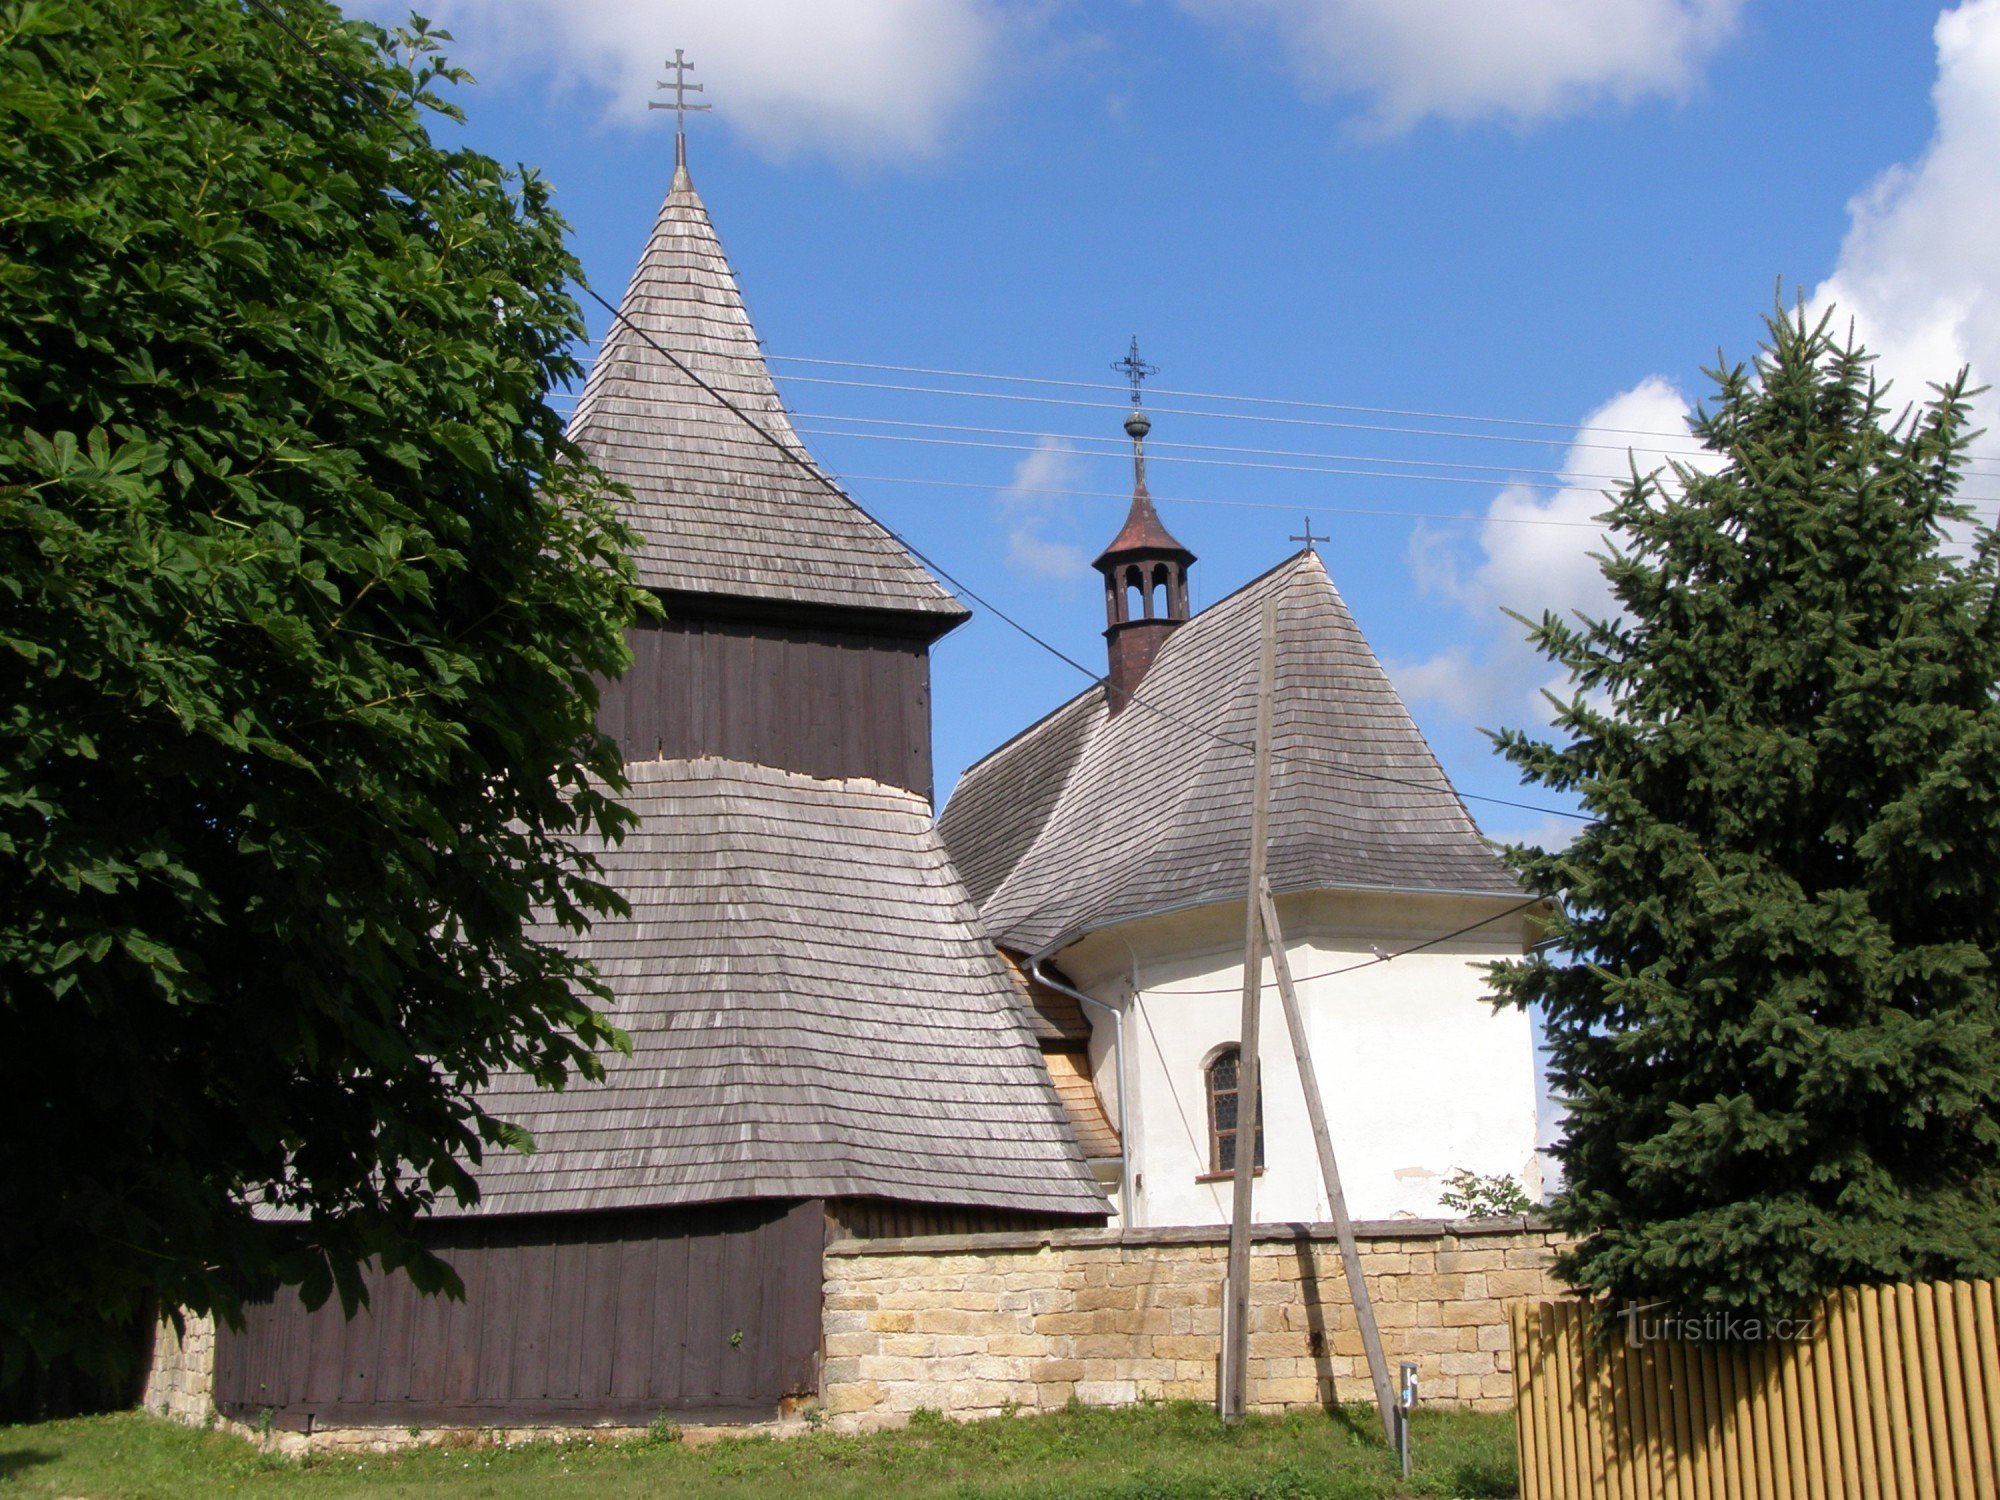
[{"x": 1144, "y": 568}]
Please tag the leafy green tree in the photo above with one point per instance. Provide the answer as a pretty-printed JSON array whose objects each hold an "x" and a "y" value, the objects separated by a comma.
[
  {"x": 1770, "y": 995},
  {"x": 302, "y": 592}
]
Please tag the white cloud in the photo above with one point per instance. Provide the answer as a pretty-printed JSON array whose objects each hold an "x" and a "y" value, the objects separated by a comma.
[
  {"x": 1919, "y": 271},
  {"x": 1465, "y": 60},
  {"x": 1534, "y": 554},
  {"x": 1031, "y": 511},
  {"x": 863, "y": 79}
]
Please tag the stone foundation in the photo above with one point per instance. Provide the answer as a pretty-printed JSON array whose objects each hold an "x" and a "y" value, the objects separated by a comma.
[
  {"x": 181, "y": 1381},
  {"x": 978, "y": 1325}
]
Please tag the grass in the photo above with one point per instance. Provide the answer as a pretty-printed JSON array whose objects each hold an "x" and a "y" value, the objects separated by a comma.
[{"x": 1145, "y": 1453}]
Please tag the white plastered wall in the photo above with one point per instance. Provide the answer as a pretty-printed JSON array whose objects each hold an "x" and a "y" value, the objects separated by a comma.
[{"x": 1421, "y": 1075}]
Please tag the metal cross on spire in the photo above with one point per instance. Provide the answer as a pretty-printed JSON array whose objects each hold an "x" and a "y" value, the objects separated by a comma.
[
  {"x": 1134, "y": 368},
  {"x": 1309, "y": 538},
  {"x": 681, "y": 108}
]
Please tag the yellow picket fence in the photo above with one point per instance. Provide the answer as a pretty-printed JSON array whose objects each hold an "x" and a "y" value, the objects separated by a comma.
[{"x": 1895, "y": 1395}]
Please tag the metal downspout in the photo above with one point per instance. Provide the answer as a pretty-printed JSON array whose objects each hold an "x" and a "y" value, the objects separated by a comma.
[{"x": 1041, "y": 976}]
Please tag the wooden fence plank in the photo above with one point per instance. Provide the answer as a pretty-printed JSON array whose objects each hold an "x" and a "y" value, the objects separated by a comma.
[
  {"x": 1526, "y": 1450},
  {"x": 1559, "y": 1403},
  {"x": 1860, "y": 1406},
  {"x": 1799, "y": 1476},
  {"x": 1690, "y": 1473},
  {"x": 1980, "y": 1446},
  {"x": 1900, "y": 1351},
  {"x": 1714, "y": 1417},
  {"x": 1810, "y": 1354},
  {"x": 1757, "y": 1367},
  {"x": 1988, "y": 1345},
  {"x": 1876, "y": 1405},
  {"x": 1894, "y": 1392},
  {"x": 1595, "y": 1358},
  {"x": 1930, "y": 1374}
]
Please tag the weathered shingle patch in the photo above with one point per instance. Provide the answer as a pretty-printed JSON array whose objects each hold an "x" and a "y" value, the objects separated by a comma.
[{"x": 814, "y": 1012}]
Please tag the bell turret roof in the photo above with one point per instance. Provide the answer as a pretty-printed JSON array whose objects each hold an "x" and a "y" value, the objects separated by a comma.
[{"x": 1144, "y": 534}]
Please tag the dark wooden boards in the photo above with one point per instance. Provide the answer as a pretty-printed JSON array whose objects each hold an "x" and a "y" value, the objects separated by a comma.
[
  {"x": 711, "y": 1312},
  {"x": 826, "y": 702}
]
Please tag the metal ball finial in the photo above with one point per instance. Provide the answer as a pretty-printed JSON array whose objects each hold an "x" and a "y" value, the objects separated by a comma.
[{"x": 1137, "y": 424}]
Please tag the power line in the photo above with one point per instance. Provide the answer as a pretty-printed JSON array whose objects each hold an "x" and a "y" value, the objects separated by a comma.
[
  {"x": 1571, "y": 429},
  {"x": 1209, "y": 463},
  {"x": 1384, "y": 958},
  {"x": 1383, "y": 411},
  {"x": 1288, "y": 507},
  {"x": 806, "y": 467}
]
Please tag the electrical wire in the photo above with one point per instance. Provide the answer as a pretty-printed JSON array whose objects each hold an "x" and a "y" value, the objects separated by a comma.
[
  {"x": 1467, "y": 517},
  {"x": 1976, "y": 462},
  {"x": 1381, "y": 958},
  {"x": 806, "y": 467}
]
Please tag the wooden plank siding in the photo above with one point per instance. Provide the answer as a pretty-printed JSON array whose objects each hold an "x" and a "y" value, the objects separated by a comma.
[
  {"x": 824, "y": 701},
  {"x": 1895, "y": 1391},
  {"x": 567, "y": 1319}
]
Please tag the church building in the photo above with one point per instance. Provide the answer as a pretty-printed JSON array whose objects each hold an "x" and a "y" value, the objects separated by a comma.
[
  {"x": 1108, "y": 847},
  {"x": 824, "y": 1043}
]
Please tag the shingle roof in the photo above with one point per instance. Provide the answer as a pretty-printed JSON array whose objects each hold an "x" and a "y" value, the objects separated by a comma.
[
  {"x": 719, "y": 510},
  {"x": 1088, "y": 820},
  {"x": 813, "y": 1010},
  {"x": 1002, "y": 802}
]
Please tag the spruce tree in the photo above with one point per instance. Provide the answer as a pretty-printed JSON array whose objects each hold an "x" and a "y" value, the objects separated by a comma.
[{"x": 1770, "y": 989}]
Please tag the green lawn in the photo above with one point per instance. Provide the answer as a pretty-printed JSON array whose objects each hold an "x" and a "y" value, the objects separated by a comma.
[{"x": 1148, "y": 1453}]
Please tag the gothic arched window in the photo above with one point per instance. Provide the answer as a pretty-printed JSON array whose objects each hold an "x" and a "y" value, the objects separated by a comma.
[{"x": 1223, "y": 1071}]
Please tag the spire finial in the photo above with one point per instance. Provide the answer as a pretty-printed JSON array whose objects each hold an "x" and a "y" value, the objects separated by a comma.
[
  {"x": 1309, "y": 538},
  {"x": 1137, "y": 423},
  {"x": 1134, "y": 369},
  {"x": 681, "y": 108}
]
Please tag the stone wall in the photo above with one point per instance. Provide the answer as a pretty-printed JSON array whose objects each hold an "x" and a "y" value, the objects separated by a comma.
[
  {"x": 181, "y": 1381},
  {"x": 976, "y": 1325}
]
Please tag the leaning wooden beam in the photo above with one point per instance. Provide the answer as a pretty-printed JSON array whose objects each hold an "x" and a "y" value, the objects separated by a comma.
[
  {"x": 1232, "y": 1398},
  {"x": 1329, "y": 1169}
]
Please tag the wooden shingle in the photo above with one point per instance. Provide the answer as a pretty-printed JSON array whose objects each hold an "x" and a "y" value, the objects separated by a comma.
[
  {"x": 814, "y": 1012},
  {"x": 1090, "y": 819},
  {"x": 720, "y": 511}
]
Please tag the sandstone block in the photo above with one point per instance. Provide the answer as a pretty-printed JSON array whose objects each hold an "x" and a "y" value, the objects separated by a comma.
[
  {"x": 1018, "y": 1346},
  {"x": 882, "y": 1322},
  {"x": 1471, "y": 1314},
  {"x": 852, "y": 1396},
  {"x": 1091, "y": 1299},
  {"x": 1477, "y": 1362},
  {"x": 1106, "y": 1392}
]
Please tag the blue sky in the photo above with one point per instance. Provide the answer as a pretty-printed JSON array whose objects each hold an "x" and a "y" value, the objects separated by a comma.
[{"x": 1551, "y": 211}]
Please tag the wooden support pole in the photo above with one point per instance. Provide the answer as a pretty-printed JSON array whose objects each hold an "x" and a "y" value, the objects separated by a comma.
[
  {"x": 1232, "y": 1394},
  {"x": 1329, "y": 1168}
]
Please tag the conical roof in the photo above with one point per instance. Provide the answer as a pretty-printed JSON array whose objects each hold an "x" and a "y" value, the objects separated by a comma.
[
  {"x": 1090, "y": 819},
  {"x": 1144, "y": 534},
  {"x": 718, "y": 508}
]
